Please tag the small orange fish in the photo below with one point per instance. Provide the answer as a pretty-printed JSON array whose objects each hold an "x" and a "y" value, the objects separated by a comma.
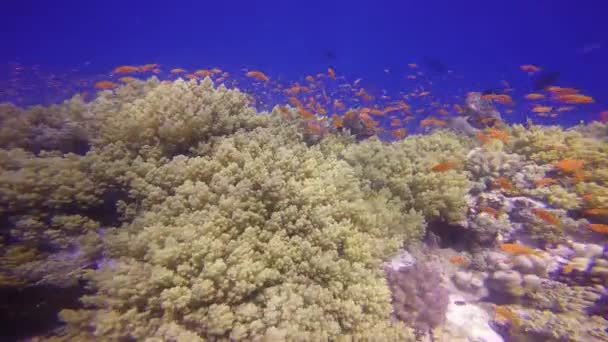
[
  {"x": 535, "y": 96},
  {"x": 575, "y": 98},
  {"x": 127, "y": 79},
  {"x": 587, "y": 197},
  {"x": 459, "y": 260},
  {"x": 503, "y": 183},
  {"x": 542, "y": 109},
  {"x": 125, "y": 69},
  {"x": 203, "y": 73},
  {"x": 445, "y": 166},
  {"x": 431, "y": 121},
  {"x": 504, "y": 314},
  {"x": 598, "y": 227},
  {"x": 500, "y": 98},
  {"x": 596, "y": 211},
  {"x": 517, "y": 249},
  {"x": 497, "y": 134},
  {"x": 570, "y": 165},
  {"x": 309, "y": 78},
  {"x": 544, "y": 182},
  {"x": 458, "y": 109},
  {"x": 104, "y": 85},
  {"x": 546, "y": 216},
  {"x": 305, "y": 114},
  {"x": 604, "y": 116},
  {"x": 399, "y": 133},
  {"x": 489, "y": 210},
  {"x": 482, "y": 138},
  {"x": 177, "y": 71},
  {"x": 258, "y": 75},
  {"x": 413, "y": 65},
  {"x": 313, "y": 127},
  {"x": 442, "y": 111},
  {"x": 337, "y": 121},
  {"x": 148, "y": 67},
  {"x": 561, "y": 90},
  {"x": 529, "y": 68},
  {"x": 331, "y": 73}
]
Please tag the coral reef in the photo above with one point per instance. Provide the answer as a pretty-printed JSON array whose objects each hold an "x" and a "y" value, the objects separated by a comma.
[{"x": 190, "y": 216}]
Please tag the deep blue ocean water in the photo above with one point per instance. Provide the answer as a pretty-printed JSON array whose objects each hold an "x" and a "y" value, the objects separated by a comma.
[{"x": 461, "y": 46}]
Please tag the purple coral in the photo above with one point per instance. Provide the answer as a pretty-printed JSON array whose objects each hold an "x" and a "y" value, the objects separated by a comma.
[{"x": 419, "y": 297}]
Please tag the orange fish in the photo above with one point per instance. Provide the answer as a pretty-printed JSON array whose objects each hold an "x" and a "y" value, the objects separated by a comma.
[
  {"x": 546, "y": 216},
  {"x": 575, "y": 98},
  {"x": 459, "y": 260},
  {"x": 517, "y": 249},
  {"x": 544, "y": 182},
  {"x": 367, "y": 120},
  {"x": 104, "y": 85},
  {"x": 542, "y": 109},
  {"x": 587, "y": 197},
  {"x": 191, "y": 76},
  {"x": 295, "y": 102},
  {"x": 337, "y": 121},
  {"x": 604, "y": 116},
  {"x": 309, "y": 78},
  {"x": 258, "y": 75},
  {"x": 529, "y": 68},
  {"x": 395, "y": 122},
  {"x": 148, "y": 67},
  {"x": 497, "y": 134},
  {"x": 305, "y": 114},
  {"x": 413, "y": 65},
  {"x": 442, "y": 111},
  {"x": 313, "y": 127},
  {"x": 125, "y": 69},
  {"x": 596, "y": 211},
  {"x": 203, "y": 73},
  {"x": 500, "y": 98},
  {"x": 445, "y": 166},
  {"x": 570, "y": 165},
  {"x": 127, "y": 79},
  {"x": 504, "y": 183},
  {"x": 431, "y": 121},
  {"x": 399, "y": 133},
  {"x": 489, "y": 210},
  {"x": 458, "y": 109},
  {"x": 331, "y": 73},
  {"x": 535, "y": 96},
  {"x": 177, "y": 71},
  {"x": 561, "y": 90},
  {"x": 598, "y": 227}
]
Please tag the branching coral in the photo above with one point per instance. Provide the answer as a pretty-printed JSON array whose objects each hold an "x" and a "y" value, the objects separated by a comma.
[
  {"x": 267, "y": 235},
  {"x": 404, "y": 168},
  {"x": 173, "y": 116}
]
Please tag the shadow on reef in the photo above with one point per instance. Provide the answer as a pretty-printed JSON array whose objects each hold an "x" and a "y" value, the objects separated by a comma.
[{"x": 33, "y": 310}]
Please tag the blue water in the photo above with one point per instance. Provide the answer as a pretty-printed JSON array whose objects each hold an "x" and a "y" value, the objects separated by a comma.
[{"x": 480, "y": 42}]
